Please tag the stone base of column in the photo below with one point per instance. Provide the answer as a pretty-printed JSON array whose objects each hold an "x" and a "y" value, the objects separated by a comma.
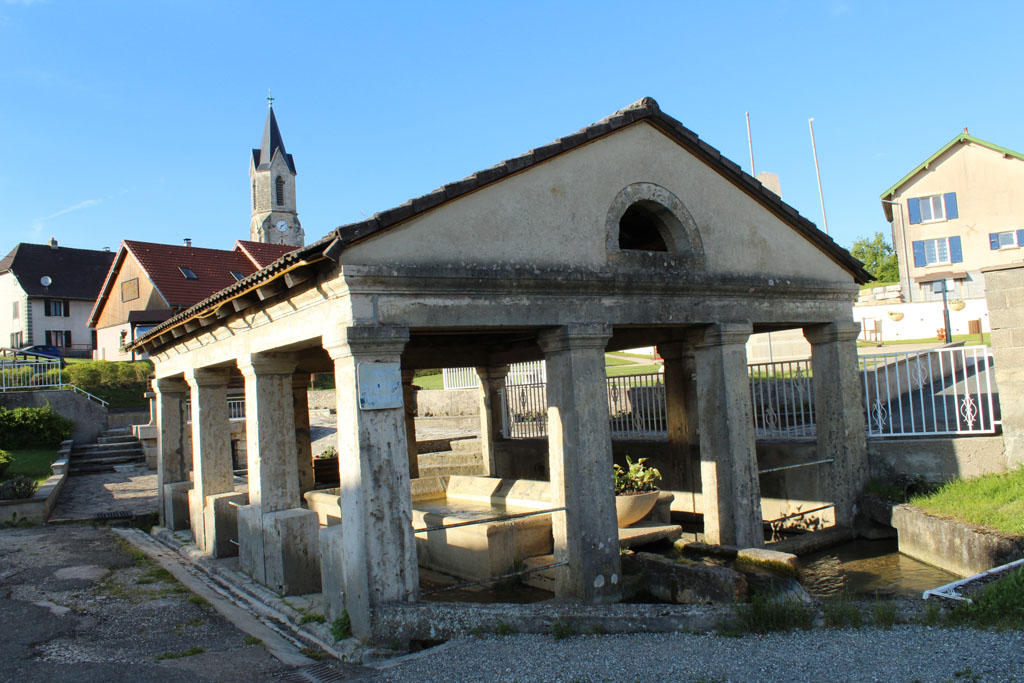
[
  {"x": 332, "y": 571},
  {"x": 280, "y": 549},
  {"x": 176, "y": 515},
  {"x": 197, "y": 520},
  {"x": 222, "y": 522}
]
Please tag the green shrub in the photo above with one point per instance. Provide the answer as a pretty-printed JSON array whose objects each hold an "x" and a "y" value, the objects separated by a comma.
[
  {"x": 18, "y": 487},
  {"x": 764, "y": 616},
  {"x": 560, "y": 629},
  {"x": 341, "y": 627},
  {"x": 5, "y": 462},
  {"x": 33, "y": 428},
  {"x": 1000, "y": 605}
]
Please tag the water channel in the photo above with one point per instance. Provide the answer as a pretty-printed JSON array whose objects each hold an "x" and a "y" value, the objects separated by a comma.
[{"x": 866, "y": 568}]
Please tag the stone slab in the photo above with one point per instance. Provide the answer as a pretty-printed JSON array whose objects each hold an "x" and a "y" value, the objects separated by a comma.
[
  {"x": 291, "y": 551},
  {"x": 643, "y": 533}
]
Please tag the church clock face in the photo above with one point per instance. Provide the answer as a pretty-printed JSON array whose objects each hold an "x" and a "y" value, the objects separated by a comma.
[{"x": 282, "y": 226}]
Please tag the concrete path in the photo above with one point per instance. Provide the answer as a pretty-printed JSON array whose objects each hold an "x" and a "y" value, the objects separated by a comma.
[{"x": 128, "y": 491}]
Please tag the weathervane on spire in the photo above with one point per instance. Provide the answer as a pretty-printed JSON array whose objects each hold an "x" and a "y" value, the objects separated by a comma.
[{"x": 270, "y": 99}]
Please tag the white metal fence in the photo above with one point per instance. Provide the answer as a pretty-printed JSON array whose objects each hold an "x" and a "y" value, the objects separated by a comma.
[
  {"x": 533, "y": 372},
  {"x": 915, "y": 393},
  {"x": 236, "y": 408},
  {"x": 25, "y": 375},
  {"x": 930, "y": 393}
]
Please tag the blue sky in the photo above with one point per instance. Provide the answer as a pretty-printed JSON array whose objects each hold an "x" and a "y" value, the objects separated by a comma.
[{"x": 135, "y": 119}]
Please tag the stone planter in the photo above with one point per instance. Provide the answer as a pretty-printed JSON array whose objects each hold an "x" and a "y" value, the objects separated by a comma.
[{"x": 632, "y": 507}]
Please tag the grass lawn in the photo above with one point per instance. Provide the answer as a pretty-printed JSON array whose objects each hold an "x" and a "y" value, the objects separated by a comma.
[
  {"x": 32, "y": 463},
  {"x": 969, "y": 339},
  {"x": 610, "y": 359},
  {"x": 435, "y": 381},
  {"x": 620, "y": 370},
  {"x": 994, "y": 500},
  {"x": 876, "y": 283}
]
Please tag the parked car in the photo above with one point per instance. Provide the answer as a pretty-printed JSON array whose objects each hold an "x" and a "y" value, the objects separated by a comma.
[{"x": 41, "y": 352}]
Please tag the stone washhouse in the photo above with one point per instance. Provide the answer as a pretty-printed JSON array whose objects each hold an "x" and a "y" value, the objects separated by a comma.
[{"x": 630, "y": 232}]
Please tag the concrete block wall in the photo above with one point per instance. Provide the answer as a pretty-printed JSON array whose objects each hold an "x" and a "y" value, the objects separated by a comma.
[{"x": 1005, "y": 295}]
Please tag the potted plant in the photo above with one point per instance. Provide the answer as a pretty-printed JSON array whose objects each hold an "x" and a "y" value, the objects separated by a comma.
[{"x": 635, "y": 491}]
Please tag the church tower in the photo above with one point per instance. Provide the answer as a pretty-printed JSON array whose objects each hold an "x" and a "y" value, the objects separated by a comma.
[{"x": 272, "y": 173}]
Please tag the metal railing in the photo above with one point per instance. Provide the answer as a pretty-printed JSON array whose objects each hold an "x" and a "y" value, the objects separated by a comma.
[
  {"x": 236, "y": 408},
  {"x": 26, "y": 375},
  {"x": 938, "y": 392},
  {"x": 532, "y": 372},
  {"x": 930, "y": 393}
]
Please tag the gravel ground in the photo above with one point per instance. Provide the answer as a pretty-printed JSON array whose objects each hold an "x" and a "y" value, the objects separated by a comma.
[{"x": 904, "y": 653}]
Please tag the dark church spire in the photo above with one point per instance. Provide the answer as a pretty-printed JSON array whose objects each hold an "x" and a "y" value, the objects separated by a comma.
[{"x": 272, "y": 142}]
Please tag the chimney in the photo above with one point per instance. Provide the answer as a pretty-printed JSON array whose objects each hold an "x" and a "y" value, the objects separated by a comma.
[
  {"x": 188, "y": 241},
  {"x": 106, "y": 248},
  {"x": 53, "y": 243}
]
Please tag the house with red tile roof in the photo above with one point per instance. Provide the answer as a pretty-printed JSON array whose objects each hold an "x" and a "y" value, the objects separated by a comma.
[{"x": 148, "y": 283}]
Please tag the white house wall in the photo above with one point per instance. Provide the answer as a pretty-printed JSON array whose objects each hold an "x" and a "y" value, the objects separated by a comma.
[
  {"x": 555, "y": 213},
  {"x": 11, "y": 293}
]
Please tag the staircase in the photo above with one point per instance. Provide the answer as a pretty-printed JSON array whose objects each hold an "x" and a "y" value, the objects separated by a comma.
[
  {"x": 114, "y": 447},
  {"x": 462, "y": 456}
]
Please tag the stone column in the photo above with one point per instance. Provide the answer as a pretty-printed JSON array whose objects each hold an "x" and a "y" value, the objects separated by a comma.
[
  {"x": 839, "y": 412},
  {"x": 303, "y": 442},
  {"x": 580, "y": 460},
  {"x": 277, "y": 537},
  {"x": 409, "y": 403},
  {"x": 172, "y": 465},
  {"x": 492, "y": 381},
  {"x": 211, "y": 463},
  {"x": 681, "y": 417},
  {"x": 730, "y": 488},
  {"x": 379, "y": 552}
]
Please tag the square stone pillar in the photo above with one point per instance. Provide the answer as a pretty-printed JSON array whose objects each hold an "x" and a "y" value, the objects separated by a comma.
[
  {"x": 409, "y": 403},
  {"x": 211, "y": 459},
  {"x": 682, "y": 419},
  {"x": 492, "y": 381},
  {"x": 173, "y": 465},
  {"x": 303, "y": 441},
  {"x": 730, "y": 488},
  {"x": 586, "y": 535},
  {"x": 379, "y": 551},
  {"x": 277, "y": 537},
  {"x": 839, "y": 412}
]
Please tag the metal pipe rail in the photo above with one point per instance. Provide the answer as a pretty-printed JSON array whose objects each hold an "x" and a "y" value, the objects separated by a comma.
[
  {"x": 485, "y": 520},
  {"x": 793, "y": 467},
  {"x": 801, "y": 513}
]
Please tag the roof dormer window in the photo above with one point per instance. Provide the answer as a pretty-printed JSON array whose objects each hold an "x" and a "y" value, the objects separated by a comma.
[
  {"x": 188, "y": 273},
  {"x": 238, "y": 275}
]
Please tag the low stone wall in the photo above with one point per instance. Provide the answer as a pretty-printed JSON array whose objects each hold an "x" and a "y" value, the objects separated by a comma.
[
  {"x": 957, "y": 547},
  {"x": 128, "y": 418},
  {"x": 429, "y": 402},
  {"x": 937, "y": 460},
  {"x": 90, "y": 418},
  {"x": 37, "y": 509}
]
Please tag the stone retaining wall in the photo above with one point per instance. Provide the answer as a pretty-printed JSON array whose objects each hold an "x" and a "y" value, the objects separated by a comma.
[
  {"x": 37, "y": 509},
  {"x": 937, "y": 460},
  {"x": 90, "y": 418},
  {"x": 955, "y": 546}
]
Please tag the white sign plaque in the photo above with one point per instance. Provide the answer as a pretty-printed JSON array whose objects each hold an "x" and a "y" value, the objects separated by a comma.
[{"x": 380, "y": 385}]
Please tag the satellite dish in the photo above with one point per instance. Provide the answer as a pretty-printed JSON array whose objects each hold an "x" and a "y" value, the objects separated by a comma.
[{"x": 46, "y": 281}]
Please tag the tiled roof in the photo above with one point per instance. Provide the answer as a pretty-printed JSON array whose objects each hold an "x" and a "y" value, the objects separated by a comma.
[
  {"x": 271, "y": 142},
  {"x": 645, "y": 109},
  {"x": 212, "y": 268},
  {"x": 75, "y": 273},
  {"x": 262, "y": 254}
]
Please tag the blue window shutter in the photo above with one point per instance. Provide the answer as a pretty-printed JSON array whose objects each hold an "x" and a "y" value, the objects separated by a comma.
[
  {"x": 951, "y": 212},
  {"x": 1020, "y": 238},
  {"x": 993, "y": 240},
  {"x": 919, "y": 261},
  {"x": 956, "y": 254},
  {"x": 914, "y": 209}
]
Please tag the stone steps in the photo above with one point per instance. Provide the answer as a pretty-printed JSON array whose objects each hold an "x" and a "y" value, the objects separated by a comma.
[{"x": 114, "y": 447}]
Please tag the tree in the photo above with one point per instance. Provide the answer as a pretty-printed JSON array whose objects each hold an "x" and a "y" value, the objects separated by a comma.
[{"x": 878, "y": 257}]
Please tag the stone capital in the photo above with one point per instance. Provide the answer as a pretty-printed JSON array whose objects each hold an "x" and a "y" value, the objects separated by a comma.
[
  {"x": 725, "y": 334},
  {"x": 169, "y": 385},
  {"x": 575, "y": 336},
  {"x": 259, "y": 364},
  {"x": 365, "y": 340},
  {"x": 839, "y": 331},
  {"x": 677, "y": 348},
  {"x": 207, "y": 377},
  {"x": 493, "y": 373}
]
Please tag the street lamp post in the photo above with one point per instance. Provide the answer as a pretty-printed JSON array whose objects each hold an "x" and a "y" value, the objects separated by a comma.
[{"x": 937, "y": 287}]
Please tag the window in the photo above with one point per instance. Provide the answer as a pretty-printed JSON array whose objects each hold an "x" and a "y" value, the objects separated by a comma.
[
  {"x": 60, "y": 338},
  {"x": 17, "y": 340},
  {"x": 937, "y": 251},
  {"x": 641, "y": 228},
  {"x": 237, "y": 275},
  {"x": 254, "y": 194},
  {"x": 15, "y": 312},
  {"x": 188, "y": 273},
  {"x": 1006, "y": 240},
  {"x": 936, "y": 207},
  {"x": 280, "y": 191},
  {"x": 56, "y": 308},
  {"x": 130, "y": 289}
]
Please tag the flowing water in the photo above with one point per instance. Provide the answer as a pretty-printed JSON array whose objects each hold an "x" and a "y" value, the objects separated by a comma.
[{"x": 869, "y": 568}]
